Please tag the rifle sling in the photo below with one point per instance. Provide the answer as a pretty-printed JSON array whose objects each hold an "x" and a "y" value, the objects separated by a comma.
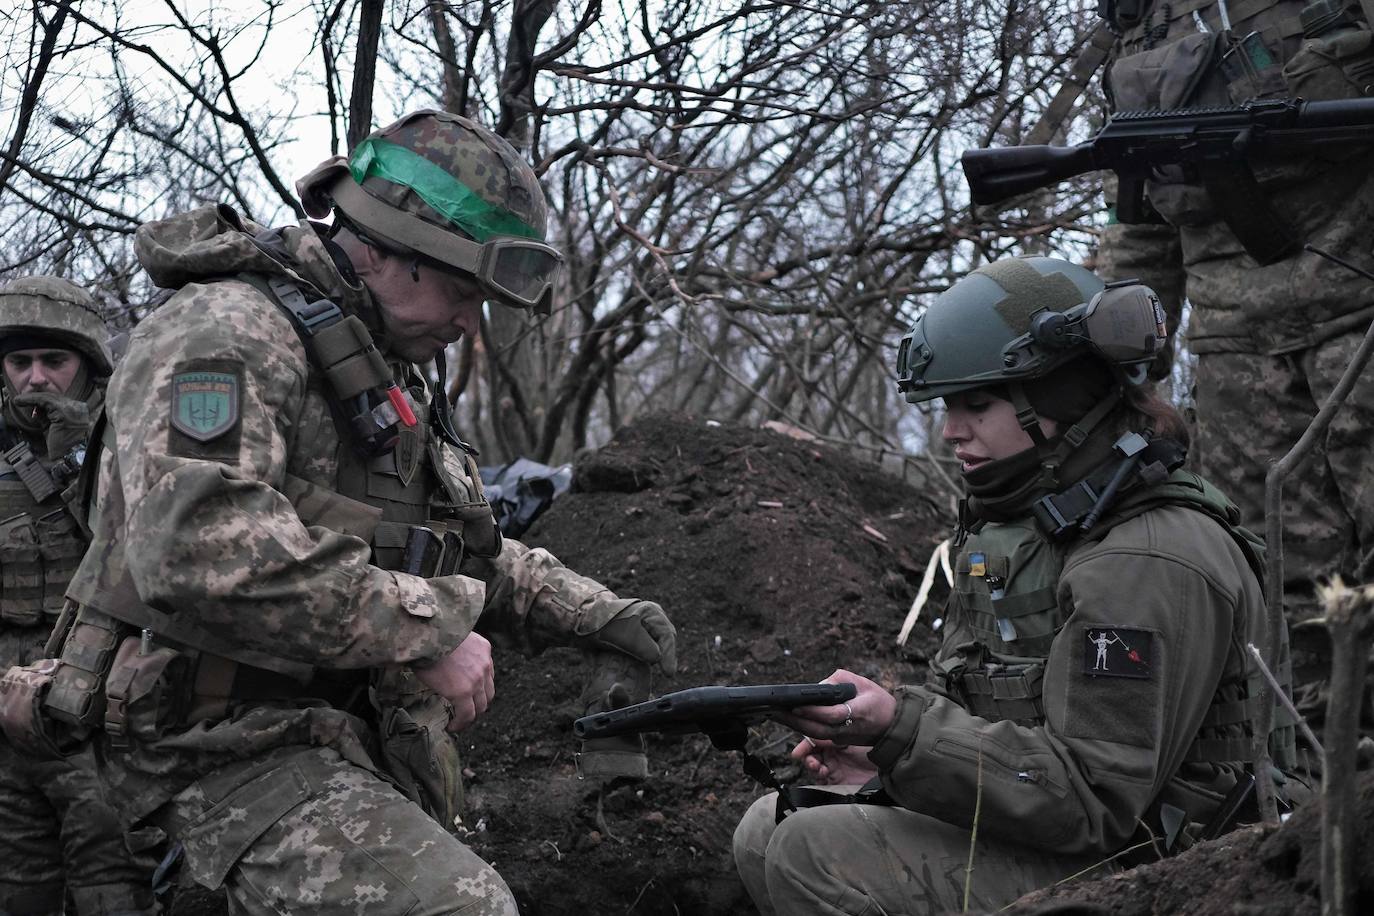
[{"x": 1089, "y": 60}]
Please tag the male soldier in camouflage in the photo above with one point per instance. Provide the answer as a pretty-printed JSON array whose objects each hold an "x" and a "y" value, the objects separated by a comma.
[
  {"x": 1271, "y": 340},
  {"x": 291, "y": 547},
  {"x": 56, "y": 834}
]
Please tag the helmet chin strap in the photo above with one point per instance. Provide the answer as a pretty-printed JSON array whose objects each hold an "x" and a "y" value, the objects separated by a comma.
[{"x": 1051, "y": 459}]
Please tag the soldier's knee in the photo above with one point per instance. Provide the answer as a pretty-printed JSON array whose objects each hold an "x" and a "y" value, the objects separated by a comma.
[
  {"x": 810, "y": 857},
  {"x": 480, "y": 893},
  {"x": 755, "y": 829}
]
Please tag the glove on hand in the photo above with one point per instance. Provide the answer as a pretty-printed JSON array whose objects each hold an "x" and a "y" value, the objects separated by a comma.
[
  {"x": 633, "y": 627},
  {"x": 68, "y": 419},
  {"x": 616, "y": 681}
]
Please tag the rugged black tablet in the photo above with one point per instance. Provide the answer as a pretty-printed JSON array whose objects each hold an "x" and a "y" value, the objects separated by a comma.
[{"x": 697, "y": 708}]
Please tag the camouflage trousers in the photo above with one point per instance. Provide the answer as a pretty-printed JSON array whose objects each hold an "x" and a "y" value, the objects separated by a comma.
[
  {"x": 57, "y": 835},
  {"x": 313, "y": 833},
  {"x": 864, "y": 860},
  {"x": 1252, "y": 409}
]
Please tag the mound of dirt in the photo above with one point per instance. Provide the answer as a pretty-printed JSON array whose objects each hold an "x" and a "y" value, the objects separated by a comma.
[
  {"x": 1254, "y": 871},
  {"x": 778, "y": 560}
]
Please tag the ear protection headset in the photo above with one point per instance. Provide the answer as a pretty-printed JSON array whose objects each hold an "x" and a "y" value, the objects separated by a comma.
[{"x": 1124, "y": 324}]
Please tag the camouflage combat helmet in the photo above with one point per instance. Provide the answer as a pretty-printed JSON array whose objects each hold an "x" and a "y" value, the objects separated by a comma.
[
  {"x": 1021, "y": 318},
  {"x": 443, "y": 187},
  {"x": 55, "y": 309}
]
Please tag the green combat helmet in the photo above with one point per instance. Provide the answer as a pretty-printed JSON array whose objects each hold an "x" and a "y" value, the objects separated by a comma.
[
  {"x": 57, "y": 310},
  {"x": 1019, "y": 319},
  {"x": 445, "y": 188}
]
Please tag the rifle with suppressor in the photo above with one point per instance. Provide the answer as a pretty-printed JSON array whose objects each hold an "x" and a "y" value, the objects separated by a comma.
[{"x": 1214, "y": 146}]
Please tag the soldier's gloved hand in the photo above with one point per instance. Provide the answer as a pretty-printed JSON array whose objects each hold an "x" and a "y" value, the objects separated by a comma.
[
  {"x": 633, "y": 627},
  {"x": 616, "y": 680},
  {"x": 465, "y": 678},
  {"x": 68, "y": 419}
]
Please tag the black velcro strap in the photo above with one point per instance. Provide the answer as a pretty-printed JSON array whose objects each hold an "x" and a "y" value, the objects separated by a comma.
[{"x": 794, "y": 798}]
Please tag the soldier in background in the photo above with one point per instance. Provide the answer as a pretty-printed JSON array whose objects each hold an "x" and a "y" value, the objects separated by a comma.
[
  {"x": 279, "y": 613},
  {"x": 56, "y": 834},
  {"x": 1271, "y": 341}
]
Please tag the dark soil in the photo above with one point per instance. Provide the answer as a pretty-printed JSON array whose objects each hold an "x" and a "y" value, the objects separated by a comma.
[
  {"x": 1254, "y": 872},
  {"x": 680, "y": 512},
  {"x": 686, "y": 514}
]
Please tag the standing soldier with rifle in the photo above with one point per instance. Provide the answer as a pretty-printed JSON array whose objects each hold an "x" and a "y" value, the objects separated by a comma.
[
  {"x": 1272, "y": 327},
  {"x": 57, "y": 836},
  {"x": 278, "y": 617}
]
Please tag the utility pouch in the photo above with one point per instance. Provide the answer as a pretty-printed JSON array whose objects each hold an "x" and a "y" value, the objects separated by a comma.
[
  {"x": 21, "y": 572},
  {"x": 462, "y": 482},
  {"x": 21, "y": 710},
  {"x": 140, "y": 696},
  {"x": 422, "y": 759},
  {"x": 1175, "y": 75},
  {"x": 1168, "y": 77},
  {"x": 61, "y": 546},
  {"x": 77, "y": 696},
  {"x": 1336, "y": 65}
]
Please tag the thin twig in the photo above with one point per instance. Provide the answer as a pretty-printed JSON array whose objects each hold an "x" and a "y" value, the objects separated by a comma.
[
  {"x": 1283, "y": 698},
  {"x": 973, "y": 834}
]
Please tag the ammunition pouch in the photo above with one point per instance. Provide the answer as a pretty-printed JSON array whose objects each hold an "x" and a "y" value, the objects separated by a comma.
[
  {"x": 38, "y": 557},
  {"x": 1335, "y": 65},
  {"x": 422, "y": 759},
  {"x": 21, "y": 572},
  {"x": 77, "y": 695},
  {"x": 22, "y": 692},
  {"x": 1012, "y": 693},
  {"x": 420, "y": 550},
  {"x": 141, "y": 695}
]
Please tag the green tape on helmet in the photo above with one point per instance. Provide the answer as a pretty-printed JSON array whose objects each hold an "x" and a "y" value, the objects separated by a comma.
[{"x": 448, "y": 196}]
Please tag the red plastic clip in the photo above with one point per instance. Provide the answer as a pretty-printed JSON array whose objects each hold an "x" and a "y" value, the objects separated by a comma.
[{"x": 398, "y": 400}]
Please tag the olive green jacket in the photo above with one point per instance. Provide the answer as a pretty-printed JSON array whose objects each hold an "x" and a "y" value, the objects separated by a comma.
[{"x": 1173, "y": 585}]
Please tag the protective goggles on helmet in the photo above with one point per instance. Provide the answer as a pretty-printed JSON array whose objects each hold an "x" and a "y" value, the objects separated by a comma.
[{"x": 502, "y": 253}]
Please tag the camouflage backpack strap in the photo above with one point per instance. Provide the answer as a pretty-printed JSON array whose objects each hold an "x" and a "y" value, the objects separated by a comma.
[{"x": 368, "y": 405}]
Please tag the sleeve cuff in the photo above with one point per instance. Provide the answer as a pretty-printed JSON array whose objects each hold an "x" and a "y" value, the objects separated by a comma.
[{"x": 889, "y": 748}]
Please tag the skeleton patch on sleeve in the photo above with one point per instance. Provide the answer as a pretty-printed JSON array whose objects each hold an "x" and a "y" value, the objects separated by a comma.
[{"x": 1116, "y": 652}]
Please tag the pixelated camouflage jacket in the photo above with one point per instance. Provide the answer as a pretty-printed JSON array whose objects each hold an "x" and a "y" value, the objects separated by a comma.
[
  {"x": 204, "y": 538},
  {"x": 1326, "y": 198}
]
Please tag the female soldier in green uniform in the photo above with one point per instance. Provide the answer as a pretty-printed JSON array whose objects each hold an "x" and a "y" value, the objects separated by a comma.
[{"x": 1091, "y": 692}]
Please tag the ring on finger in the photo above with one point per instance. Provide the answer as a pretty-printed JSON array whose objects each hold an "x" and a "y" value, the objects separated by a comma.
[{"x": 848, "y": 716}]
